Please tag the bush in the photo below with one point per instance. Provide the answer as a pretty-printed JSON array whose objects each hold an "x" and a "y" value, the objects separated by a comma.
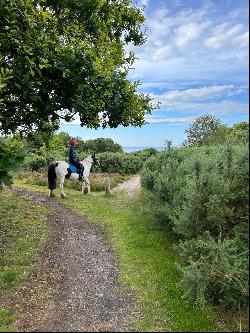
[
  {"x": 198, "y": 191},
  {"x": 11, "y": 155},
  {"x": 145, "y": 153},
  {"x": 40, "y": 162},
  {"x": 215, "y": 270},
  {"x": 205, "y": 189},
  {"x": 35, "y": 163},
  {"x": 122, "y": 163}
]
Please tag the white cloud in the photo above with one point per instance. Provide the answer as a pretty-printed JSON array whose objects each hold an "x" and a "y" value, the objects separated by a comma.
[
  {"x": 217, "y": 100},
  {"x": 189, "y": 95},
  {"x": 163, "y": 53},
  {"x": 218, "y": 108},
  {"x": 226, "y": 34},
  {"x": 184, "y": 45},
  {"x": 171, "y": 121},
  {"x": 241, "y": 40},
  {"x": 189, "y": 32}
]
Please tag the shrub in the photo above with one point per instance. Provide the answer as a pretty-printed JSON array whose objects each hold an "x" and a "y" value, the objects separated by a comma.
[
  {"x": 11, "y": 155},
  {"x": 204, "y": 190},
  {"x": 119, "y": 163},
  {"x": 145, "y": 153},
  {"x": 215, "y": 270},
  {"x": 35, "y": 163}
]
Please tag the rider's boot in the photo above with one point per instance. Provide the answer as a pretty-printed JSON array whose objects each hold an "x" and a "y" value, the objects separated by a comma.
[{"x": 80, "y": 174}]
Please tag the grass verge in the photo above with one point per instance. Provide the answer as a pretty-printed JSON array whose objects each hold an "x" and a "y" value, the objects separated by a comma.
[{"x": 22, "y": 234}]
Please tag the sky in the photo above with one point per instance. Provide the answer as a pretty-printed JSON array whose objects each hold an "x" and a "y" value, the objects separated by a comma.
[{"x": 195, "y": 61}]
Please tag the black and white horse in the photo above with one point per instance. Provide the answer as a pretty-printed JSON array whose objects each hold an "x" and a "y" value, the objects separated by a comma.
[{"x": 60, "y": 169}]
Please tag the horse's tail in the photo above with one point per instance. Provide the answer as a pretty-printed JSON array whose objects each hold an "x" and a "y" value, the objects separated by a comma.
[{"x": 52, "y": 175}]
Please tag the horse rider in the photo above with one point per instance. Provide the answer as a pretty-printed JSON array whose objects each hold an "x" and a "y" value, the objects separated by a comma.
[{"x": 73, "y": 158}]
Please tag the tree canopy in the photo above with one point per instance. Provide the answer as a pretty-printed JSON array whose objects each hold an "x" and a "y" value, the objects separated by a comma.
[
  {"x": 99, "y": 145},
  {"x": 208, "y": 130},
  {"x": 66, "y": 59},
  {"x": 201, "y": 128}
]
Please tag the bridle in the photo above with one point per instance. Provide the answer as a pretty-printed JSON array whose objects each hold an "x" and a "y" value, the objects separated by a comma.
[{"x": 95, "y": 160}]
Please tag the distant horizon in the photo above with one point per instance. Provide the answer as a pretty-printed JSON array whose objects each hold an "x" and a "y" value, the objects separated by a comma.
[
  {"x": 137, "y": 148},
  {"x": 143, "y": 146}
]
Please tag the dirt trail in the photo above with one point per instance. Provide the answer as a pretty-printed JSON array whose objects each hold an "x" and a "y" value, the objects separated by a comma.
[
  {"x": 75, "y": 288},
  {"x": 131, "y": 187}
]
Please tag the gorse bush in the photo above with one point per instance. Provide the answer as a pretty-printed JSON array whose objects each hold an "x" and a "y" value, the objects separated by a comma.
[
  {"x": 215, "y": 270},
  {"x": 199, "y": 191},
  {"x": 200, "y": 184}
]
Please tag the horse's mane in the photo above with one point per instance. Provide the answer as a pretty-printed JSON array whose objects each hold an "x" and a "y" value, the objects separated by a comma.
[{"x": 86, "y": 158}]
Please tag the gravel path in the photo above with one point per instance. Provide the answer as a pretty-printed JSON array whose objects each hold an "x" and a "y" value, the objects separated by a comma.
[
  {"x": 75, "y": 288},
  {"x": 131, "y": 187}
]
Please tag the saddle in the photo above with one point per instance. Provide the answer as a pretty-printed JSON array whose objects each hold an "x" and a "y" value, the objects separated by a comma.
[{"x": 72, "y": 169}]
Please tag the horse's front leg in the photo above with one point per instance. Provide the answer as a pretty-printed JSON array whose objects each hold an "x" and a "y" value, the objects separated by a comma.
[
  {"x": 63, "y": 195},
  {"x": 86, "y": 186},
  {"x": 83, "y": 186}
]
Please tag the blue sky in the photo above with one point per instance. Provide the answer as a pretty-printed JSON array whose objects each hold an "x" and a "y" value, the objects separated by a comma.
[{"x": 195, "y": 61}]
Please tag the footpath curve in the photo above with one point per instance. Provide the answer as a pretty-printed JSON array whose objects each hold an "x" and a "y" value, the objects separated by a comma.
[{"x": 131, "y": 187}]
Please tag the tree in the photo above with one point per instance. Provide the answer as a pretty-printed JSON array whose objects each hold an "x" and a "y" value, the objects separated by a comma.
[
  {"x": 238, "y": 134},
  {"x": 168, "y": 143},
  {"x": 66, "y": 59},
  {"x": 99, "y": 145},
  {"x": 201, "y": 128},
  {"x": 39, "y": 138},
  {"x": 217, "y": 136},
  {"x": 59, "y": 141},
  {"x": 11, "y": 154}
]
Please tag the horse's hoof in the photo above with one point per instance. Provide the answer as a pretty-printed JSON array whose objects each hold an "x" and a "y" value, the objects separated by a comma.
[
  {"x": 85, "y": 191},
  {"x": 63, "y": 195},
  {"x": 52, "y": 195}
]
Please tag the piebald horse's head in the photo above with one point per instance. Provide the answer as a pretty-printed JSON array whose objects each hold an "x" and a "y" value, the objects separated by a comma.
[{"x": 95, "y": 160}]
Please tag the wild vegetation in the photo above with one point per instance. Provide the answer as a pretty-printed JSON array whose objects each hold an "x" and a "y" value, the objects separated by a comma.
[
  {"x": 201, "y": 193},
  {"x": 190, "y": 233},
  {"x": 66, "y": 60}
]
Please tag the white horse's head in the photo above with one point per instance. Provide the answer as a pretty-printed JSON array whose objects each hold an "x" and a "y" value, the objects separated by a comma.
[{"x": 95, "y": 160}]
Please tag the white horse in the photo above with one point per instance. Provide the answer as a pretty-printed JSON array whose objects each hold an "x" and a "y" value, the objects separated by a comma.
[{"x": 60, "y": 169}]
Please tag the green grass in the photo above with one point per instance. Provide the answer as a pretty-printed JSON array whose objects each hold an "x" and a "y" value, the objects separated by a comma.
[
  {"x": 147, "y": 261},
  {"x": 22, "y": 234},
  {"x": 96, "y": 180}
]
